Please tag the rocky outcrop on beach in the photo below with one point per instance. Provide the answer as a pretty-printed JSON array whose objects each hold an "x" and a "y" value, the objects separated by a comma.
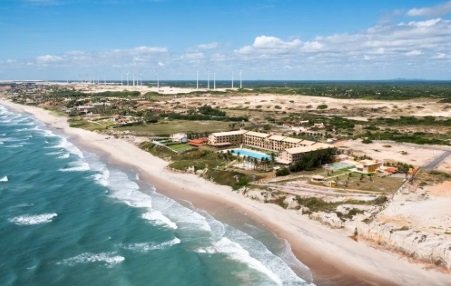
[
  {"x": 329, "y": 219},
  {"x": 421, "y": 245},
  {"x": 416, "y": 222}
]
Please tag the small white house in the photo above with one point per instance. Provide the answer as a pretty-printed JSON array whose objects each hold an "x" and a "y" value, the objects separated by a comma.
[{"x": 179, "y": 137}]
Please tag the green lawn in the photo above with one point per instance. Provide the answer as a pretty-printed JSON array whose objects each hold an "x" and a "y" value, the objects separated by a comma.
[
  {"x": 165, "y": 128},
  {"x": 90, "y": 125},
  {"x": 180, "y": 147}
]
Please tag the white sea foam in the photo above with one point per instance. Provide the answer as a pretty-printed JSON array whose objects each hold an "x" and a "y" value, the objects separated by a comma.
[
  {"x": 22, "y": 205},
  {"x": 44, "y": 132},
  {"x": 23, "y": 129},
  {"x": 158, "y": 218},
  {"x": 15, "y": 146},
  {"x": 271, "y": 261},
  {"x": 109, "y": 259},
  {"x": 55, "y": 153},
  {"x": 188, "y": 218},
  {"x": 77, "y": 166},
  {"x": 33, "y": 219},
  {"x": 150, "y": 246},
  {"x": 69, "y": 147},
  {"x": 127, "y": 191},
  {"x": 64, "y": 156},
  {"x": 238, "y": 253},
  {"x": 4, "y": 179}
]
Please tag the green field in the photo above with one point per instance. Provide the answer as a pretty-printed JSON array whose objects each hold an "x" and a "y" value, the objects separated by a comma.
[
  {"x": 98, "y": 125},
  {"x": 180, "y": 147},
  {"x": 165, "y": 128}
]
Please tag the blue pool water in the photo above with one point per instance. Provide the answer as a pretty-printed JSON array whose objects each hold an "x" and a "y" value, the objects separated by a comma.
[{"x": 250, "y": 153}]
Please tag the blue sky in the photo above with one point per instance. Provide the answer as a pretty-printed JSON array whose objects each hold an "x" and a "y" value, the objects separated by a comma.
[{"x": 266, "y": 39}]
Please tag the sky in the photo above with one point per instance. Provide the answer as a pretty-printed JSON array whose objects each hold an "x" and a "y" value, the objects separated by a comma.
[{"x": 265, "y": 39}]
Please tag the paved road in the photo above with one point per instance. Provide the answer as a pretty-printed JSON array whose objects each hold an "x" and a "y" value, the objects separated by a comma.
[{"x": 434, "y": 163}]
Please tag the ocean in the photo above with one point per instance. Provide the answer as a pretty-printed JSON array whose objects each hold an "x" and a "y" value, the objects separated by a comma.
[{"x": 69, "y": 218}]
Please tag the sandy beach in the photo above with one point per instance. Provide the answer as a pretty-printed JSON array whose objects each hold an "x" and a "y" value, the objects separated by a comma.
[{"x": 333, "y": 257}]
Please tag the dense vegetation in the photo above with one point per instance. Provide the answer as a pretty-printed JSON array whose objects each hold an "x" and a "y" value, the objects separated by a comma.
[
  {"x": 205, "y": 112},
  {"x": 314, "y": 204},
  {"x": 369, "y": 90},
  {"x": 411, "y": 120},
  {"x": 71, "y": 93},
  {"x": 415, "y": 138},
  {"x": 313, "y": 160}
]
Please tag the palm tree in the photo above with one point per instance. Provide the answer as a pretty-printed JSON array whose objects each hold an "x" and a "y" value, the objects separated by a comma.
[{"x": 266, "y": 161}]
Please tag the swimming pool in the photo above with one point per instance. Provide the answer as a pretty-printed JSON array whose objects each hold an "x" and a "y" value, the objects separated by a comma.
[{"x": 250, "y": 153}]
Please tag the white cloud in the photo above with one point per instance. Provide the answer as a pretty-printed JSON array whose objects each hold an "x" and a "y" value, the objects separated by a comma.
[
  {"x": 49, "y": 59},
  {"x": 145, "y": 50},
  {"x": 386, "y": 42},
  {"x": 414, "y": 53},
  {"x": 116, "y": 57},
  {"x": 423, "y": 24},
  {"x": 193, "y": 57},
  {"x": 208, "y": 46},
  {"x": 434, "y": 11}
]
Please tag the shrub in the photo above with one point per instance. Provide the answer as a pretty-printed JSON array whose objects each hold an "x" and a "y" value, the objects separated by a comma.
[
  {"x": 313, "y": 160},
  {"x": 322, "y": 106},
  {"x": 282, "y": 172}
]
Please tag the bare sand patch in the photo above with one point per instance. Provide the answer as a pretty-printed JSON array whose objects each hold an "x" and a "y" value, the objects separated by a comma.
[{"x": 416, "y": 155}]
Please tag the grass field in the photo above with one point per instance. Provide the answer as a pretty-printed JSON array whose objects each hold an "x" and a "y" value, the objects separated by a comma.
[
  {"x": 180, "y": 147},
  {"x": 376, "y": 184},
  {"x": 98, "y": 125},
  {"x": 165, "y": 128}
]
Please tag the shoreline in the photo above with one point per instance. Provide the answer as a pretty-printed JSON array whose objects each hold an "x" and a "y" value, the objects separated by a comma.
[{"x": 332, "y": 257}]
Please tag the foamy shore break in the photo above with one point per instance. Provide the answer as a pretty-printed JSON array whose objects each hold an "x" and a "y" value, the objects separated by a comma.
[{"x": 329, "y": 253}]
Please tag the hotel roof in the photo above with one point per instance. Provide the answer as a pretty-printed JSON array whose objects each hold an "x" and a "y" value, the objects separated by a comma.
[
  {"x": 257, "y": 134},
  {"x": 277, "y": 137},
  {"x": 307, "y": 142},
  {"x": 292, "y": 140},
  {"x": 227, "y": 133},
  {"x": 306, "y": 149}
]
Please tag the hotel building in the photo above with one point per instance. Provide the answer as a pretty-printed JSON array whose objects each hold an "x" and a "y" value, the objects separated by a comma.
[
  {"x": 226, "y": 138},
  {"x": 291, "y": 155},
  {"x": 289, "y": 148}
]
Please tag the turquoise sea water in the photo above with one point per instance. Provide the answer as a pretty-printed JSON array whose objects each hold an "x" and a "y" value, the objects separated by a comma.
[{"x": 68, "y": 218}]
